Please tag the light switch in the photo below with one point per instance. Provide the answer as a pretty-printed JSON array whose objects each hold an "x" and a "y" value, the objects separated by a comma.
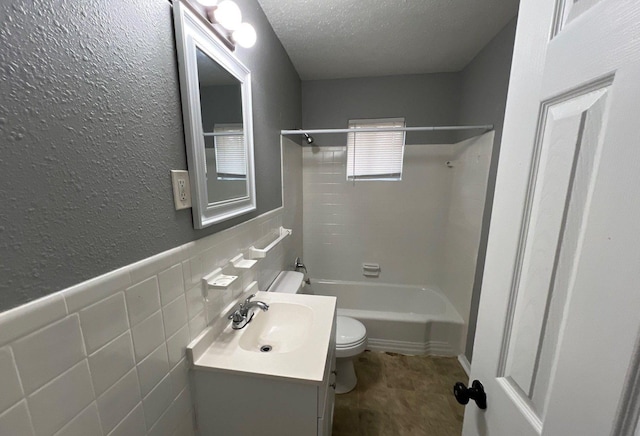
[{"x": 181, "y": 189}]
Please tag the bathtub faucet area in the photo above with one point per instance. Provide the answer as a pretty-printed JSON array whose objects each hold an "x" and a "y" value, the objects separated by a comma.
[{"x": 299, "y": 266}]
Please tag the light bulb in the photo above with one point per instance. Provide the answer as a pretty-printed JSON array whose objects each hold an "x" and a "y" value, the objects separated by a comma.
[
  {"x": 228, "y": 15},
  {"x": 245, "y": 35},
  {"x": 208, "y": 3}
]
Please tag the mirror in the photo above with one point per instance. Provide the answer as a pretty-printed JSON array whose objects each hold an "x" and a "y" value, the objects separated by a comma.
[
  {"x": 221, "y": 110},
  {"x": 216, "y": 106}
]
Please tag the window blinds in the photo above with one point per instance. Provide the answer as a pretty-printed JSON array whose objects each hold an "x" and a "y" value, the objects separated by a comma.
[
  {"x": 375, "y": 155},
  {"x": 231, "y": 157}
]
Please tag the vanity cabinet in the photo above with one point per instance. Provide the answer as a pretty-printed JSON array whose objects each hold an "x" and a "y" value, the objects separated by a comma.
[{"x": 241, "y": 403}]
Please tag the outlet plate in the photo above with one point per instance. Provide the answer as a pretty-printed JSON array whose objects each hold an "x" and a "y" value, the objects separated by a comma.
[{"x": 181, "y": 189}]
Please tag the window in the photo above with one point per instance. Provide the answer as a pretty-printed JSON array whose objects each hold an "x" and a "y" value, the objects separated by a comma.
[
  {"x": 231, "y": 157},
  {"x": 375, "y": 155}
]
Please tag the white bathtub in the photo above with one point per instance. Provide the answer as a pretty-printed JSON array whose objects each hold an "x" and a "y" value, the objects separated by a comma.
[{"x": 398, "y": 318}]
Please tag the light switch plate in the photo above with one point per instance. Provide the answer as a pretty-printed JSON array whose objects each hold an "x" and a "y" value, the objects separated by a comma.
[{"x": 181, "y": 189}]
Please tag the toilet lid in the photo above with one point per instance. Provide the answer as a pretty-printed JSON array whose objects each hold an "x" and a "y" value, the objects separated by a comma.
[{"x": 349, "y": 331}]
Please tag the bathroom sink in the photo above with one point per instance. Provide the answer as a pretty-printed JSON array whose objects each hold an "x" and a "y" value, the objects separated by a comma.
[
  {"x": 283, "y": 328},
  {"x": 296, "y": 331}
]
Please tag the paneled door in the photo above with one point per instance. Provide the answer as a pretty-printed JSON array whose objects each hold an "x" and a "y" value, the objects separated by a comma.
[{"x": 557, "y": 346}]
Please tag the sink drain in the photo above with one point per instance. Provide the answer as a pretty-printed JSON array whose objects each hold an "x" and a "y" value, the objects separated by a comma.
[{"x": 266, "y": 348}]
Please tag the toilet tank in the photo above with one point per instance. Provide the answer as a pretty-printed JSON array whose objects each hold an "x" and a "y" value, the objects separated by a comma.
[{"x": 290, "y": 282}]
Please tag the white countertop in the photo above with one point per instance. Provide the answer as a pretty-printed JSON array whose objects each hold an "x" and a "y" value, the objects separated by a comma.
[{"x": 305, "y": 363}]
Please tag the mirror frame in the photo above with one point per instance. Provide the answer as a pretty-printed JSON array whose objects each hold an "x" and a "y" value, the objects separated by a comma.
[{"x": 193, "y": 32}]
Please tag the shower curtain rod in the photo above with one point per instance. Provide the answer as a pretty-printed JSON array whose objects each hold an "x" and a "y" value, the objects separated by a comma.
[{"x": 385, "y": 129}]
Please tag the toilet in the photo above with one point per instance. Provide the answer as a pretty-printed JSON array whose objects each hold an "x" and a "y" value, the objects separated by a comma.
[
  {"x": 351, "y": 340},
  {"x": 351, "y": 334}
]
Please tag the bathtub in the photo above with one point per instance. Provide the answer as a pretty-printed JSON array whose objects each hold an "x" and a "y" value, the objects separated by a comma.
[{"x": 399, "y": 318}]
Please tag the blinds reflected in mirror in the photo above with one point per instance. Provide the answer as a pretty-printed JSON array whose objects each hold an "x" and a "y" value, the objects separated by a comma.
[
  {"x": 375, "y": 155},
  {"x": 231, "y": 156}
]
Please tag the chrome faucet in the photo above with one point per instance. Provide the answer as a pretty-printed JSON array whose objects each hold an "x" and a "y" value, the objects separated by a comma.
[
  {"x": 299, "y": 266},
  {"x": 243, "y": 315}
]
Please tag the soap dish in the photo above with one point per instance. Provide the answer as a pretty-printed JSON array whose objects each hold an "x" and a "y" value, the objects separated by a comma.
[
  {"x": 217, "y": 280},
  {"x": 240, "y": 262}
]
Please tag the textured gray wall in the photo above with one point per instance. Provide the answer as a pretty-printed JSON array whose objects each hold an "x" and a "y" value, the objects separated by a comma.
[
  {"x": 484, "y": 97},
  {"x": 423, "y": 99},
  {"x": 91, "y": 124},
  {"x": 220, "y": 104}
]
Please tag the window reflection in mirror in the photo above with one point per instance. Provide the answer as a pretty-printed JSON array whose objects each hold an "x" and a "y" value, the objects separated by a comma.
[{"x": 221, "y": 111}]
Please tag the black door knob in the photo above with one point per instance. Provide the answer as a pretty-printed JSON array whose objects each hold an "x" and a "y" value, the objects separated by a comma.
[{"x": 476, "y": 393}]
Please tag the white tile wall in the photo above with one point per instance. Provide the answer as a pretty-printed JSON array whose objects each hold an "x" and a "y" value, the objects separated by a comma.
[
  {"x": 464, "y": 222},
  {"x": 397, "y": 224},
  {"x": 111, "y": 362},
  {"x": 61, "y": 400},
  {"x": 143, "y": 299},
  {"x": 176, "y": 345},
  {"x": 103, "y": 321},
  {"x": 157, "y": 401},
  {"x": 175, "y": 315},
  {"x": 180, "y": 376},
  {"x": 180, "y": 411},
  {"x": 171, "y": 283},
  {"x": 16, "y": 420},
  {"x": 11, "y": 388},
  {"x": 43, "y": 355},
  {"x": 423, "y": 230},
  {"x": 153, "y": 368},
  {"x": 107, "y": 356},
  {"x": 86, "y": 423},
  {"x": 132, "y": 424},
  {"x": 118, "y": 400},
  {"x": 195, "y": 302},
  {"x": 147, "y": 336}
]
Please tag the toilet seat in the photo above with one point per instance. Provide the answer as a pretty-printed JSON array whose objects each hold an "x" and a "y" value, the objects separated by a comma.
[
  {"x": 352, "y": 345},
  {"x": 349, "y": 331},
  {"x": 351, "y": 337}
]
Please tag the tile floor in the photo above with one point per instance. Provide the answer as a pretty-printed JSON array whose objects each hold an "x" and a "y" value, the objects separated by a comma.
[{"x": 401, "y": 395}]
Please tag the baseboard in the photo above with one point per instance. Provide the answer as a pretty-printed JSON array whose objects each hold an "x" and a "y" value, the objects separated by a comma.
[
  {"x": 464, "y": 362},
  {"x": 432, "y": 348}
]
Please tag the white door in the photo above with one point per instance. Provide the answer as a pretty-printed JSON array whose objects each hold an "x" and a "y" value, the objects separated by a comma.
[{"x": 557, "y": 340}]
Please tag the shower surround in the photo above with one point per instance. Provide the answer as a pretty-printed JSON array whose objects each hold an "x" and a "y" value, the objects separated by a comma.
[{"x": 423, "y": 230}]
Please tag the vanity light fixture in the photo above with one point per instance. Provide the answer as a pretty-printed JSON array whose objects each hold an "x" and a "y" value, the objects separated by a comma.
[
  {"x": 245, "y": 35},
  {"x": 227, "y": 15}
]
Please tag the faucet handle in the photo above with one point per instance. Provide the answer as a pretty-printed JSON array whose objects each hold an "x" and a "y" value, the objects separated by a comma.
[{"x": 248, "y": 300}]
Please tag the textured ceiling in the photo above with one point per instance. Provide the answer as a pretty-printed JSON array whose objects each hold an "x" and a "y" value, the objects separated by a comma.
[{"x": 329, "y": 39}]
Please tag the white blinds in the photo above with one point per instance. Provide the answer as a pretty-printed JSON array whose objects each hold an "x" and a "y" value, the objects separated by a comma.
[
  {"x": 375, "y": 155},
  {"x": 231, "y": 157}
]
